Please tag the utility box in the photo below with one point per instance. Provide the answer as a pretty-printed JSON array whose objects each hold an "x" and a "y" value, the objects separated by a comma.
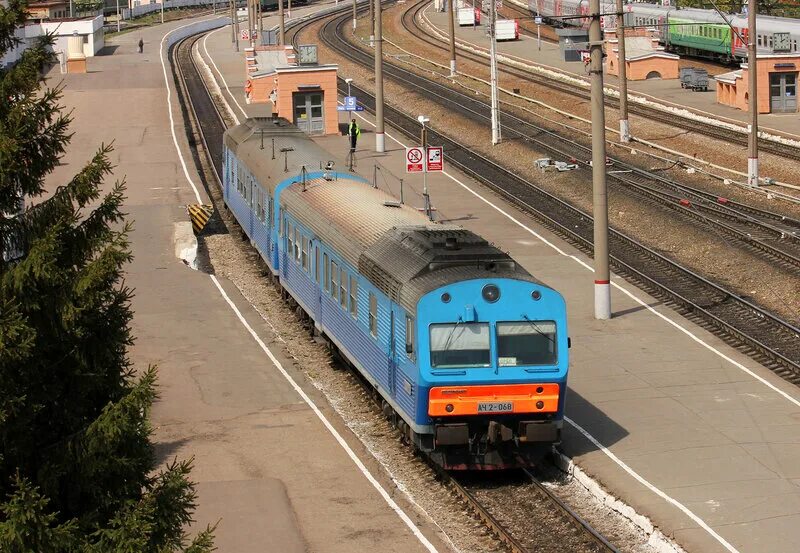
[{"x": 572, "y": 42}]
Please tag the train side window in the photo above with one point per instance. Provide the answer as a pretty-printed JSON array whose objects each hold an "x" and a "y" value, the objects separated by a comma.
[
  {"x": 334, "y": 280},
  {"x": 305, "y": 254},
  {"x": 281, "y": 222},
  {"x": 354, "y": 297},
  {"x": 297, "y": 236},
  {"x": 343, "y": 289},
  {"x": 316, "y": 263},
  {"x": 289, "y": 240},
  {"x": 410, "y": 338},
  {"x": 268, "y": 214},
  {"x": 373, "y": 315},
  {"x": 327, "y": 272}
]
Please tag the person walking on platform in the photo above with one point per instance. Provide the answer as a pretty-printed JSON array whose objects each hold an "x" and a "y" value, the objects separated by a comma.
[
  {"x": 141, "y": 45},
  {"x": 354, "y": 132}
]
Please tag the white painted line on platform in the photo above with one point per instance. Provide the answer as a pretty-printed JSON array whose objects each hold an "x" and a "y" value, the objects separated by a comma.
[
  {"x": 364, "y": 470},
  {"x": 337, "y": 436},
  {"x": 221, "y": 76},
  {"x": 169, "y": 110},
  {"x": 580, "y": 429}
]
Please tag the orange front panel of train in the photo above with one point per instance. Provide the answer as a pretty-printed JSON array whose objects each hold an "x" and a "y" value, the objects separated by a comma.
[{"x": 495, "y": 399}]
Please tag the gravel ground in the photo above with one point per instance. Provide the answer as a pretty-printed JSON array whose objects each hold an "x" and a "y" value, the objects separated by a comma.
[
  {"x": 701, "y": 250},
  {"x": 224, "y": 251}
]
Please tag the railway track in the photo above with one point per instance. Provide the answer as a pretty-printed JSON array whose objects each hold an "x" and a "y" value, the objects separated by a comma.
[
  {"x": 199, "y": 104},
  {"x": 732, "y": 136},
  {"x": 769, "y": 234},
  {"x": 753, "y": 330}
]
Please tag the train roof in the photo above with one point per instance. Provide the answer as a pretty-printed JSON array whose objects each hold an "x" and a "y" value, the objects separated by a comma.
[
  {"x": 248, "y": 138},
  {"x": 394, "y": 246}
]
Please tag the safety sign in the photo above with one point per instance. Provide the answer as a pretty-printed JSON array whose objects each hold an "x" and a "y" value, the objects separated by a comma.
[
  {"x": 435, "y": 158},
  {"x": 414, "y": 160}
]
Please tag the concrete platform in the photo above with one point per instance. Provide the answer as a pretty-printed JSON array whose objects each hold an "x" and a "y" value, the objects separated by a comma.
[
  {"x": 223, "y": 401},
  {"x": 697, "y": 437},
  {"x": 664, "y": 90}
]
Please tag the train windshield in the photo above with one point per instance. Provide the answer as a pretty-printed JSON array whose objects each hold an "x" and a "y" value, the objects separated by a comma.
[
  {"x": 525, "y": 343},
  {"x": 460, "y": 345}
]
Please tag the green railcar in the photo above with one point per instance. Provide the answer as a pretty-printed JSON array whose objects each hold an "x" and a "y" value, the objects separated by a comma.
[{"x": 694, "y": 37}]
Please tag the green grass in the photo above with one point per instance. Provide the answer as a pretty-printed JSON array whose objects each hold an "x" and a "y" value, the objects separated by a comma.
[{"x": 154, "y": 18}]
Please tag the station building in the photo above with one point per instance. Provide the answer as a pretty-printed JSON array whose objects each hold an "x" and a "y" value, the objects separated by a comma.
[
  {"x": 777, "y": 84},
  {"x": 299, "y": 88},
  {"x": 644, "y": 58}
]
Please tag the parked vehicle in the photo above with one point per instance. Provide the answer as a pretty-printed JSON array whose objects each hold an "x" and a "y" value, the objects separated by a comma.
[
  {"x": 507, "y": 29},
  {"x": 469, "y": 16},
  {"x": 694, "y": 78}
]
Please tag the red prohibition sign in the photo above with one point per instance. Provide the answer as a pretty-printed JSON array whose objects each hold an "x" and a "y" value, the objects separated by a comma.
[{"x": 414, "y": 155}]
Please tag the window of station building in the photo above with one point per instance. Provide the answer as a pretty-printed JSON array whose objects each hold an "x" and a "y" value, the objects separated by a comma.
[
  {"x": 410, "y": 338},
  {"x": 354, "y": 297},
  {"x": 343, "y": 289},
  {"x": 524, "y": 343},
  {"x": 316, "y": 263},
  {"x": 326, "y": 276},
  {"x": 334, "y": 280},
  {"x": 460, "y": 345},
  {"x": 373, "y": 315},
  {"x": 304, "y": 254}
]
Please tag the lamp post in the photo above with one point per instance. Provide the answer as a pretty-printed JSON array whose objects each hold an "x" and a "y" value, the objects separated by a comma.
[
  {"x": 451, "y": 18},
  {"x": 117, "y": 15},
  {"x": 424, "y": 141},
  {"x": 348, "y": 81},
  {"x": 624, "y": 126},
  {"x": 493, "y": 75}
]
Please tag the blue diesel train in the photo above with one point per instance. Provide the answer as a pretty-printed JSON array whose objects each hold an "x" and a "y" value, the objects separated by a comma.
[{"x": 467, "y": 350}]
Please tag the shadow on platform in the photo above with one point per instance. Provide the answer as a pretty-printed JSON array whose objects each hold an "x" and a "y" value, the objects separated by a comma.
[{"x": 603, "y": 429}]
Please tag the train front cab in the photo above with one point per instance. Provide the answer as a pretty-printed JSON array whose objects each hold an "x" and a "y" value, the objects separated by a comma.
[{"x": 495, "y": 374}]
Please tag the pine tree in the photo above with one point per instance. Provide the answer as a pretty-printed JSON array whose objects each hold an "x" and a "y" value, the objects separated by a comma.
[{"x": 77, "y": 467}]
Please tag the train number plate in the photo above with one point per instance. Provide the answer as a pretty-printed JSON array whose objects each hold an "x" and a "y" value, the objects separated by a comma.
[{"x": 495, "y": 407}]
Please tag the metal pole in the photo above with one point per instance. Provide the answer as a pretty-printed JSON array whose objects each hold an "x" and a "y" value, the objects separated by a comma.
[
  {"x": 624, "y": 125},
  {"x": 602, "y": 278},
  {"x": 425, "y": 196},
  {"x": 117, "y": 15},
  {"x": 451, "y": 16},
  {"x": 379, "y": 136},
  {"x": 289, "y": 6},
  {"x": 71, "y": 9},
  {"x": 236, "y": 23},
  {"x": 162, "y": 11},
  {"x": 752, "y": 93},
  {"x": 233, "y": 25},
  {"x": 281, "y": 24},
  {"x": 260, "y": 20},
  {"x": 251, "y": 19},
  {"x": 355, "y": 15},
  {"x": 214, "y": 6},
  {"x": 493, "y": 75},
  {"x": 371, "y": 25},
  {"x": 473, "y": 15}
]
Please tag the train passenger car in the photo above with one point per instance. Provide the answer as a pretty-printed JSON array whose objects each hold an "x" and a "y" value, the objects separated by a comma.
[
  {"x": 688, "y": 31},
  {"x": 467, "y": 350}
]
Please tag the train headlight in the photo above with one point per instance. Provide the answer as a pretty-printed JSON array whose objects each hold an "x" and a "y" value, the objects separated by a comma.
[
  {"x": 445, "y": 298},
  {"x": 491, "y": 293},
  {"x": 536, "y": 295},
  {"x": 449, "y": 407},
  {"x": 539, "y": 404}
]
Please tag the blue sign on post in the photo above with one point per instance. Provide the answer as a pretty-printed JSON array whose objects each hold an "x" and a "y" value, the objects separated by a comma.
[{"x": 350, "y": 103}]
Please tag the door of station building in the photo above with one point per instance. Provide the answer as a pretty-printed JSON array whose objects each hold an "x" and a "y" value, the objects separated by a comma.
[
  {"x": 308, "y": 112},
  {"x": 783, "y": 92}
]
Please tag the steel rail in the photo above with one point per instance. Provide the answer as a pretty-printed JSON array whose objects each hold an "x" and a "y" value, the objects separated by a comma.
[
  {"x": 672, "y": 119},
  {"x": 745, "y": 325},
  {"x": 579, "y": 521}
]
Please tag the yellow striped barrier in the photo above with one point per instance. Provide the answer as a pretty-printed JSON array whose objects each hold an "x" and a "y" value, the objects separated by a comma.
[{"x": 200, "y": 215}]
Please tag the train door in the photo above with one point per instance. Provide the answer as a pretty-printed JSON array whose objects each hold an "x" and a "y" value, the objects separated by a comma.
[
  {"x": 392, "y": 353},
  {"x": 783, "y": 92},
  {"x": 309, "y": 112}
]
